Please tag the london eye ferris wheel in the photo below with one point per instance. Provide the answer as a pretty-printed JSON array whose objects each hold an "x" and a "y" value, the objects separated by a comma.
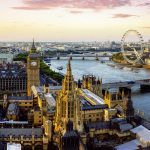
[{"x": 132, "y": 47}]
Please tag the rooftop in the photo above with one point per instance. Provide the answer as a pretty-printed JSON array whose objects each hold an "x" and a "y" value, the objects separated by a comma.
[
  {"x": 40, "y": 89},
  {"x": 99, "y": 125},
  {"x": 132, "y": 145},
  {"x": 17, "y": 132},
  {"x": 70, "y": 134},
  {"x": 84, "y": 101},
  {"x": 91, "y": 97},
  {"x": 13, "y": 122},
  {"x": 125, "y": 127},
  {"x": 142, "y": 133},
  {"x": 13, "y": 70},
  {"x": 50, "y": 100},
  {"x": 19, "y": 98},
  {"x": 55, "y": 87},
  {"x": 119, "y": 120},
  {"x": 93, "y": 107},
  {"x": 139, "y": 129}
]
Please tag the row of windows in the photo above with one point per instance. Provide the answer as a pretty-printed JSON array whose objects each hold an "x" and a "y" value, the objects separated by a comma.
[
  {"x": 70, "y": 109},
  {"x": 25, "y": 102},
  {"x": 93, "y": 115},
  {"x": 18, "y": 138},
  {"x": 90, "y": 120},
  {"x": 27, "y": 107},
  {"x": 12, "y": 84},
  {"x": 12, "y": 79}
]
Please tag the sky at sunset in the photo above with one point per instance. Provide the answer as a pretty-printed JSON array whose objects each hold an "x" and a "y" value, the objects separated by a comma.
[{"x": 72, "y": 20}]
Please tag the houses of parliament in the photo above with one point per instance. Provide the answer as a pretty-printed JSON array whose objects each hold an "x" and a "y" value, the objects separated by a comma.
[{"x": 75, "y": 116}]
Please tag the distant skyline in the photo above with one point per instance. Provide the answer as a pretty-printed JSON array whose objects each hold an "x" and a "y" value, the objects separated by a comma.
[{"x": 72, "y": 20}]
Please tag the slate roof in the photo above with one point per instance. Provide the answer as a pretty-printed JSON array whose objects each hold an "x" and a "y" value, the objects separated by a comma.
[
  {"x": 118, "y": 120},
  {"x": 125, "y": 127},
  {"x": 17, "y": 132},
  {"x": 93, "y": 97},
  {"x": 142, "y": 132},
  {"x": 139, "y": 129},
  {"x": 12, "y": 71},
  {"x": 99, "y": 125},
  {"x": 50, "y": 100},
  {"x": 131, "y": 145},
  {"x": 55, "y": 87},
  {"x": 13, "y": 122},
  {"x": 19, "y": 98},
  {"x": 93, "y": 107},
  {"x": 70, "y": 134}
]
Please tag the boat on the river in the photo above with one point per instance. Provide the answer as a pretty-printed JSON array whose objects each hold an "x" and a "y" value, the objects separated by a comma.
[
  {"x": 111, "y": 65},
  {"x": 102, "y": 61},
  {"x": 127, "y": 69},
  {"x": 60, "y": 68},
  {"x": 136, "y": 71}
]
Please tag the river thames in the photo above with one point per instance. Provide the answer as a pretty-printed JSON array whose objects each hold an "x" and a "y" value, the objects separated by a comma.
[{"x": 109, "y": 74}]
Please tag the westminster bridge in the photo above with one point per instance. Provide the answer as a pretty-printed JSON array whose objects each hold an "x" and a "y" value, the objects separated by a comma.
[
  {"x": 144, "y": 84},
  {"x": 96, "y": 56}
]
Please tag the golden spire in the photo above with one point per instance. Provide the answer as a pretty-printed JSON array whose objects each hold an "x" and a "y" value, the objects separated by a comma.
[
  {"x": 68, "y": 79},
  {"x": 33, "y": 48},
  {"x": 69, "y": 68}
]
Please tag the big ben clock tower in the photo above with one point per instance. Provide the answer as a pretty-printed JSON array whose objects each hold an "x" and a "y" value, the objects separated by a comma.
[{"x": 33, "y": 69}]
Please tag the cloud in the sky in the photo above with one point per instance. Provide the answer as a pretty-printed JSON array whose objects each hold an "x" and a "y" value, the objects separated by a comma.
[
  {"x": 123, "y": 15},
  {"x": 76, "y": 12},
  {"x": 79, "y": 4},
  {"x": 144, "y": 4}
]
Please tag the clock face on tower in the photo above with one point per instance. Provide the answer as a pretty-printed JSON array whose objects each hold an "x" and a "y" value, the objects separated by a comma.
[{"x": 33, "y": 63}]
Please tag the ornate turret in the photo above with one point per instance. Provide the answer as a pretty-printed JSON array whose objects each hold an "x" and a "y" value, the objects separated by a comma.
[
  {"x": 129, "y": 105},
  {"x": 69, "y": 73},
  {"x": 91, "y": 83},
  {"x": 68, "y": 82},
  {"x": 129, "y": 109},
  {"x": 99, "y": 81},
  {"x": 79, "y": 84}
]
